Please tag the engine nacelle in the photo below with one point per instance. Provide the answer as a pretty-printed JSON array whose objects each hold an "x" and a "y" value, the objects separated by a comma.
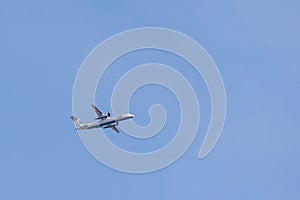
[{"x": 103, "y": 116}]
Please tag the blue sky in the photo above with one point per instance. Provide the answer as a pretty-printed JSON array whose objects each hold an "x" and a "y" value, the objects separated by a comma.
[{"x": 255, "y": 45}]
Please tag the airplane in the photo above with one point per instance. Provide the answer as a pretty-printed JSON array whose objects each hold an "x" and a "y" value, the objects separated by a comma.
[{"x": 105, "y": 121}]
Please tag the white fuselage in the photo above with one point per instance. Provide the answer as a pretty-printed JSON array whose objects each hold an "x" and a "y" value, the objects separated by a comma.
[{"x": 105, "y": 123}]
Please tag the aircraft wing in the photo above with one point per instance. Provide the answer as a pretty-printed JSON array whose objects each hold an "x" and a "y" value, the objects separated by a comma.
[
  {"x": 98, "y": 112},
  {"x": 115, "y": 129}
]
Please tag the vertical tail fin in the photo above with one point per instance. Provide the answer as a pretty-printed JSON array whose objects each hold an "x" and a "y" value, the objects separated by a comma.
[{"x": 76, "y": 121}]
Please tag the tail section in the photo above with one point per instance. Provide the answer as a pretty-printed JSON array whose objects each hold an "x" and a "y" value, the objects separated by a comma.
[{"x": 76, "y": 121}]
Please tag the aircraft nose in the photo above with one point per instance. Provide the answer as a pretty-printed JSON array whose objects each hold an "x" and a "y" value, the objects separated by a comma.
[{"x": 132, "y": 116}]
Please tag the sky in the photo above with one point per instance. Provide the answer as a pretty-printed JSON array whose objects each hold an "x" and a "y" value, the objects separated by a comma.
[{"x": 256, "y": 47}]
